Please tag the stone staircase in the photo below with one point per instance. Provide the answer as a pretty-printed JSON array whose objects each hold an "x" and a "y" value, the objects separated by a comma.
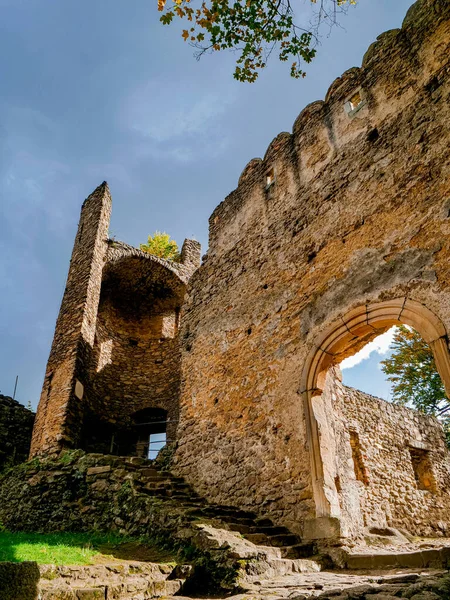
[{"x": 284, "y": 551}]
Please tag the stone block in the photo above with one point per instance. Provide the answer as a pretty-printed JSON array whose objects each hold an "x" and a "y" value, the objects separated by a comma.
[
  {"x": 98, "y": 470},
  {"x": 19, "y": 581},
  {"x": 57, "y": 593},
  {"x": 91, "y": 594},
  {"x": 321, "y": 528}
]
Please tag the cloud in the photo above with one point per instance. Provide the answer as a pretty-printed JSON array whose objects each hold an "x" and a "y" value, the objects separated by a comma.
[
  {"x": 380, "y": 345},
  {"x": 29, "y": 166},
  {"x": 182, "y": 126}
]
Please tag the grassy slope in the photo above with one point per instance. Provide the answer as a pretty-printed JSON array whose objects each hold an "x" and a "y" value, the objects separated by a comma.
[{"x": 73, "y": 548}]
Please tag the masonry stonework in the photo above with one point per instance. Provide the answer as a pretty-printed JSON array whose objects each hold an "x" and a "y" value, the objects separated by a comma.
[
  {"x": 377, "y": 444},
  {"x": 114, "y": 368},
  {"x": 16, "y": 426},
  {"x": 341, "y": 231}
]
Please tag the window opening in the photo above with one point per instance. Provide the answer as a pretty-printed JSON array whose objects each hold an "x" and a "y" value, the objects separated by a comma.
[
  {"x": 423, "y": 472},
  {"x": 358, "y": 462},
  {"x": 270, "y": 178},
  {"x": 354, "y": 103},
  {"x": 157, "y": 441},
  {"x": 151, "y": 427},
  {"x": 355, "y": 100}
]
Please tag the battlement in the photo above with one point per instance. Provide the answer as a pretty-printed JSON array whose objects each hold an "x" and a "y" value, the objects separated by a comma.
[
  {"x": 345, "y": 134},
  {"x": 339, "y": 232}
]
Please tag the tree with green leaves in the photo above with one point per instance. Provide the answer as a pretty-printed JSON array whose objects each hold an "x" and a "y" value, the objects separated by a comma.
[
  {"x": 159, "y": 244},
  {"x": 415, "y": 380},
  {"x": 254, "y": 29}
]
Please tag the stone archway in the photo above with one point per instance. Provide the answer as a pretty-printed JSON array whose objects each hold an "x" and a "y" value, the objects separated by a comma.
[{"x": 342, "y": 339}]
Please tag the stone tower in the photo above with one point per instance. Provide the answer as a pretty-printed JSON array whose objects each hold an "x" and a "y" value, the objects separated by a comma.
[
  {"x": 115, "y": 353},
  {"x": 59, "y": 413}
]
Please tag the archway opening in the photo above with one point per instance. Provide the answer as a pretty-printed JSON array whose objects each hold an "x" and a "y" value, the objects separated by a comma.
[
  {"x": 355, "y": 439},
  {"x": 135, "y": 367}
]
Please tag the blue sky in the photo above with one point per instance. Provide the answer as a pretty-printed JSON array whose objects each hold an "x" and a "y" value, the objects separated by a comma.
[{"x": 98, "y": 89}]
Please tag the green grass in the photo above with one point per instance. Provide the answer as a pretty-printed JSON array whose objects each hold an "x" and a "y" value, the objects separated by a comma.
[
  {"x": 77, "y": 548},
  {"x": 52, "y": 548}
]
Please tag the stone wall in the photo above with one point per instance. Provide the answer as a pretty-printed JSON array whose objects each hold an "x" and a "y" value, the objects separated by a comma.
[
  {"x": 349, "y": 210},
  {"x": 60, "y": 412},
  {"x": 380, "y": 440},
  {"x": 98, "y": 493},
  {"x": 16, "y": 426},
  {"x": 19, "y": 581},
  {"x": 115, "y": 351}
]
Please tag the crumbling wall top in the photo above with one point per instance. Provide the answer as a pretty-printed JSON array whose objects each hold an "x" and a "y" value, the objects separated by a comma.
[{"x": 119, "y": 251}]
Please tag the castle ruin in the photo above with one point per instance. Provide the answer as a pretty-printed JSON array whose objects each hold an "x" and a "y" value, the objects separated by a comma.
[{"x": 341, "y": 231}]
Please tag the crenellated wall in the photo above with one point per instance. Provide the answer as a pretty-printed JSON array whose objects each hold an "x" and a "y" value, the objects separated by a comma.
[{"x": 351, "y": 209}]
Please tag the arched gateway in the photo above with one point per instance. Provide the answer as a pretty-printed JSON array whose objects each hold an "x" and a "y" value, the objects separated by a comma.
[{"x": 343, "y": 338}]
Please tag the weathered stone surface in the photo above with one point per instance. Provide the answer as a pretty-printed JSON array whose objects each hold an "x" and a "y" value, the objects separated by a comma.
[
  {"x": 80, "y": 492},
  {"x": 115, "y": 349},
  {"x": 16, "y": 426},
  {"x": 19, "y": 581},
  {"x": 357, "y": 216},
  {"x": 340, "y": 232},
  {"x": 383, "y": 478}
]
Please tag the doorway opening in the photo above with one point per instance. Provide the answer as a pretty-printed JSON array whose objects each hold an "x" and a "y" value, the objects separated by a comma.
[
  {"x": 150, "y": 425},
  {"x": 368, "y": 424}
]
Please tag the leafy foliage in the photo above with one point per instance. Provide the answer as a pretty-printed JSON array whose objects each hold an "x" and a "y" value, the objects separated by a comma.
[
  {"x": 253, "y": 28},
  {"x": 159, "y": 244},
  {"x": 415, "y": 381}
]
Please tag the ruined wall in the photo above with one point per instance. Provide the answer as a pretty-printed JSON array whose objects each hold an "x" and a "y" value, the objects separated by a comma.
[
  {"x": 16, "y": 426},
  {"x": 386, "y": 438},
  {"x": 60, "y": 411},
  {"x": 115, "y": 349},
  {"x": 136, "y": 358},
  {"x": 351, "y": 208}
]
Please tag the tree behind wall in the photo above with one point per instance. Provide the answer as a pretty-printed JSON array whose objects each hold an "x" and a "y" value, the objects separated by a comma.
[
  {"x": 159, "y": 244},
  {"x": 415, "y": 380}
]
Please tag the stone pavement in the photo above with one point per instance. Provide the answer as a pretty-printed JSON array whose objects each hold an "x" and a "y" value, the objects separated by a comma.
[{"x": 350, "y": 585}]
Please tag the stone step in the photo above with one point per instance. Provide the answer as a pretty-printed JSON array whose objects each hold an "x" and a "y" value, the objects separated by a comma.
[
  {"x": 156, "y": 485},
  {"x": 283, "y": 540},
  {"x": 159, "y": 492},
  {"x": 118, "y": 581},
  {"x": 194, "y": 504},
  {"x": 179, "y": 494},
  {"x": 150, "y": 473},
  {"x": 155, "y": 480},
  {"x": 305, "y": 550},
  {"x": 229, "y": 519},
  {"x": 264, "y": 522},
  {"x": 259, "y": 539},
  {"x": 424, "y": 558},
  {"x": 230, "y": 513},
  {"x": 177, "y": 485},
  {"x": 270, "y": 531},
  {"x": 274, "y": 568},
  {"x": 104, "y": 590},
  {"x": 244, "y": 529}
]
